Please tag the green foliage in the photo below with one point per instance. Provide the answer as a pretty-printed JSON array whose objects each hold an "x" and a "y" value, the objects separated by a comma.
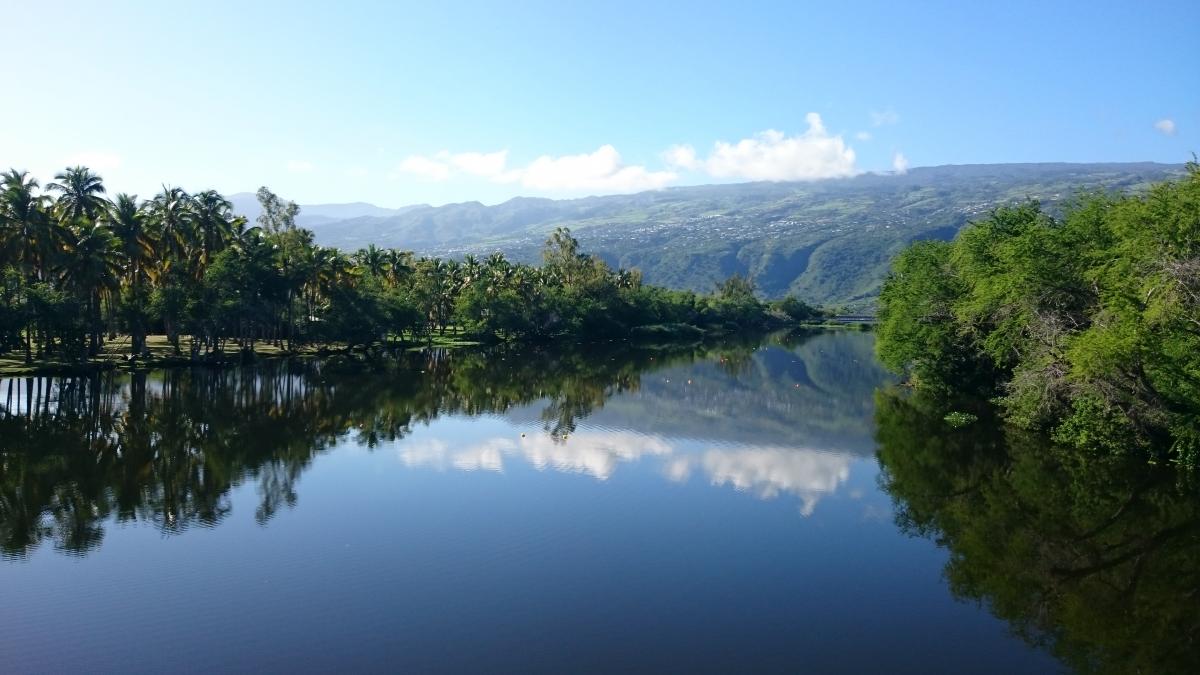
[
  {"x": 79, "y": 268},
  {"x": 958, "y": 418},
  {"x": 1087, "y": 325},
  {"x": 12, "y": 309},
  {"x": 57, "y": 318},
  {"x": 796, "y": 309},
  {"x": 917, "y": 332}
]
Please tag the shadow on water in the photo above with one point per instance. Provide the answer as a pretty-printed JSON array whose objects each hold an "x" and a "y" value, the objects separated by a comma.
[{"x": 1094, "y": 558}]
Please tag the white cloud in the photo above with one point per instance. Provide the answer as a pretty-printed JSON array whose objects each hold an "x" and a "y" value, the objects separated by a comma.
[
  {"x": 682, "y": 157},
  {"x": 765, "y": 471},
  {"x": 769, "y": 472},
  {"x": 593, "y": 453},
  {"x": 486, "y": 164},
  {"x": 769, "y": 155},
  {"x": 899, "y": 163},
  {"x": 96, "y": 161},
  {"x": 423, "y": 166},
  {"x": 436, "y": 454},
  {"x": 772, "y": 155},
  {"x": 863, "y": 136},
  {"x": 601, "y": 171},
  {"x": 299, "y": 166},
  {"x": 884, "y": 118},
  {"x": 1166, "y": 126},
  {"x": 432, "y": 453}
]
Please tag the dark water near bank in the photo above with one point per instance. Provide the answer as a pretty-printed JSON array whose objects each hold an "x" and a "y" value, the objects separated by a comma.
[{"x": 737, "y": 507}]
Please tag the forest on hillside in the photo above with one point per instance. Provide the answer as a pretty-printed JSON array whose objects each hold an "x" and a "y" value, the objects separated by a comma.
[{"x": 827, "y": 241}]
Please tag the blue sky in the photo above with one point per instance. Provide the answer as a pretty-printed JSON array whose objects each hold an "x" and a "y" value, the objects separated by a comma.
[{"x": 443, "y": 101}]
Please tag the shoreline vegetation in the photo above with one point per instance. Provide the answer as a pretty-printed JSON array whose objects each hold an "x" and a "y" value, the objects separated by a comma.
[
  {"x": 90, "y": 283},
  {"x": 1085, "y": 327},
  {"x": 159, "y": 352}
]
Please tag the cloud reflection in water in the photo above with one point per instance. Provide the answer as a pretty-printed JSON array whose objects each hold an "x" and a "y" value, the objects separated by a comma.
[{"x": 764, "y": 471}]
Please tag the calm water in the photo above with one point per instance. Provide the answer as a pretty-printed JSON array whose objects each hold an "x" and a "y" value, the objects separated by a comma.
[{"x": 718, "y": 509}]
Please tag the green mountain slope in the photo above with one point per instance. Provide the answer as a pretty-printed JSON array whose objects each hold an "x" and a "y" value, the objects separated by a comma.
[{"x": 827, "y": 241}]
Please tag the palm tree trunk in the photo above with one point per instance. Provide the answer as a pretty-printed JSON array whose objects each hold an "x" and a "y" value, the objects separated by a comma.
[
  {"x": 288, "y": 328},
  {"x": 97, "y": 324},
  {"x": 137, "y": 337},
  {"x": 173, "y": 335}
]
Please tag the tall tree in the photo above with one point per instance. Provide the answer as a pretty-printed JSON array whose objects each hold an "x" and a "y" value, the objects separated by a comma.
[
  {"x": 92, "y": 267},
  {"x": 30, "y": 236},
  {"x": 277, "y": 214},
  {"x": 372, "y": 260},
  {"x": 129, "y": 223},
  {"x": 174, "y": 220},
  {"x": 81, "y": 195},
  {"x": 215, "y": 226}
]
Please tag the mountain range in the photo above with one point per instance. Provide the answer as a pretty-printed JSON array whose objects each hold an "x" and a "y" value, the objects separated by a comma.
[{"x": 828, "y": 241}]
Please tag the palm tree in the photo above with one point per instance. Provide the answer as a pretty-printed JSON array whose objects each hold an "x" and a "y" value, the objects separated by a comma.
[
  {"x": 93, "y": 268},
  {"x": 290, "y": 246},
  {"x": 244, "y": 237},
  {"x": 215, "y": 225},
  {"x": 399, "y": 264},
  {"x": 451, "y": 280},
  {"x": 338, "y": 269},
  {"x": 325, "y": 270},
  {"x": 470, "y": 268},
  {"x": 372, "y": 259},
  {"x": 29, "y": 233},
  {"x": 174, "y": 218},
  {"x": 82, "y": 195},
  {"x": 129, "y": 223}
]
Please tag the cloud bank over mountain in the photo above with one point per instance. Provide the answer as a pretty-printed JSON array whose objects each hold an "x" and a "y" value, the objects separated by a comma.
[{"x": 769, "y": 155}]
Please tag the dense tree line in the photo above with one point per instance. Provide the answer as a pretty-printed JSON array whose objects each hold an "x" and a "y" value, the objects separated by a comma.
[
  {"x": 78, "y": 267},
  {"x": 1085, "y": 325}
]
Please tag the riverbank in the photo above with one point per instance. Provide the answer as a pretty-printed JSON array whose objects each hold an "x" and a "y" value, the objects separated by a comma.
[{"x": 114, "y": 355}]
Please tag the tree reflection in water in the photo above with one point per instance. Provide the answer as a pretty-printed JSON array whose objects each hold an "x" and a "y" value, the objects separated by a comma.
[
  {"x": 167, "y": 447},
  {"x": 1096, "y": 558}
]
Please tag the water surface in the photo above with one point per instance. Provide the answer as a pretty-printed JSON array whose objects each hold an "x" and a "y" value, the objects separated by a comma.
[{"x": 709, "y": 508}]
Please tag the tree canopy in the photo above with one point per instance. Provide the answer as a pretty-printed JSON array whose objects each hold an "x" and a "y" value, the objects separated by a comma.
[
  {"x": 77, "y": 268},
  {"x": 1086, "y": 326}
]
